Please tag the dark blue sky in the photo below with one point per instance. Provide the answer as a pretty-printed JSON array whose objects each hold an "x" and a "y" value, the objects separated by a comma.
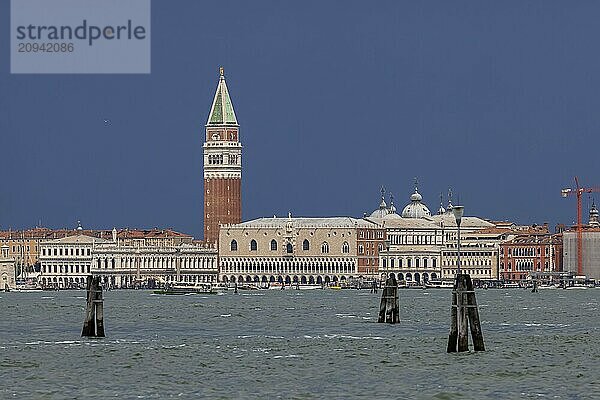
[{"x": 498, "y": 100}]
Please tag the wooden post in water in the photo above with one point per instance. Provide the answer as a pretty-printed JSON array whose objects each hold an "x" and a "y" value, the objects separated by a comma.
[
  {"x": 93, "y": 326},
  {"x": 464, "y": 314},
  {"x": 389, "y": 309},
  {"x": 535, "y": 286}
]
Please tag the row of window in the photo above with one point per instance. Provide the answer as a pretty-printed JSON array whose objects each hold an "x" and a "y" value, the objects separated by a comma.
[
  {"x": 486, "y": 272},
  {"x": 289, "y": 248},
  {"x": 523, "y": 266},
  {"x": 20, "y": 248},
  {"x": 156, "y": 263},
  {"x": 69, "y": 251},
  {"x": 418, "y": 239},
  {"x": 218, "y": 159},
  {"x": 468, "y": 262},
  {"x": 65, "y": 269},
  {"x": 426, "y": 263},
  {"x": 370, "y": 234},
  {"x": 521, "y": 251},
  {"x": 304, "y": 269},
  {"x": 469, "y": 254}
]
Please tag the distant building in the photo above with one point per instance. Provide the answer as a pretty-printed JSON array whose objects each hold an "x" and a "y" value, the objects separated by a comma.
[
  {"x": 24, "y": 245},
  {"x": 66, "y": 262},
  {"x": 479, "y": 253},
  {"x": 413, "y": 241},
  {"x": 422, "y": 247},
  {"x": 222, "y": 165},
  {"x": 590, "y": 246},
  {"x": 303, "y": 250},
  {"x": 527, "y": 252},
  {"x": 7, "y": 269},
  {"x": 146, "y": 264}
]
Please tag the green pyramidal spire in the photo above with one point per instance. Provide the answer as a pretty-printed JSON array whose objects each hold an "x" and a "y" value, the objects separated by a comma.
[{"x": 221, "y": 112}]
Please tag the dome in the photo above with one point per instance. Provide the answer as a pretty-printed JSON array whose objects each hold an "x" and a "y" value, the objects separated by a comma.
[
  {"x": 416, "y": 209},
  {"x": 383, "y": 209}
]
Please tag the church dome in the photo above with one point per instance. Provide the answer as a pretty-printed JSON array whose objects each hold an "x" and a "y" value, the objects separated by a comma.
[
  {"x": 383, "y": 209},
  {"x": 416, "y": 209}
]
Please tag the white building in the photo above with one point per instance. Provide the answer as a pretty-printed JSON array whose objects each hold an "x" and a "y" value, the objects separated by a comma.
[
  {"x": 421, "y": 247},
  {"x": 127, "y": 266},
  {"x": 413, "y": 242},
  {"x": 7, "y": 270},
  {"x": 130, "y": 258},
  {"x": 67, "y": 262}
]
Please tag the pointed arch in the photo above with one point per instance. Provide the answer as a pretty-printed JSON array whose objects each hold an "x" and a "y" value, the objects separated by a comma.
[{"x": 345, "y": 248}]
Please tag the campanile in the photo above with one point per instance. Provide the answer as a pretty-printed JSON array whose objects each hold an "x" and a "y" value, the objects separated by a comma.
[{"x": 222, "y": 165}]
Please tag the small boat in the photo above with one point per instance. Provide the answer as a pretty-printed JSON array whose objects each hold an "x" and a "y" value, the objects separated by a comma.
[
  {"x": 247, "y": 286},
  {"x": 220, "y": 287},
  {"x": 27, "y": 288},
  {"x": 336, "y": 287},
  {"x": 511, "y": 286},
  {"x": 309, "y": 287},
  {"x": 187, "y": 288},
  {"x": 544, "y": 287},
  {"x": 576, "y": 287},
  {"x": 439, "y": 285}
]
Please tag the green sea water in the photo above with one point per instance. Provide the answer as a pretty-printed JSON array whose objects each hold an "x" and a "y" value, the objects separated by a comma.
[{"x": 298, "y": 345}]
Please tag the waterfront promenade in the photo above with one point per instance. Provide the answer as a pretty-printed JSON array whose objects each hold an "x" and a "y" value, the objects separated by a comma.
[{"x": 297, "y": 344}]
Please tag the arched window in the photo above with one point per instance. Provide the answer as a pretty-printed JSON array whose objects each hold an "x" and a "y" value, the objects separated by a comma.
[
  {"x": 273, "y": 245},
  {"x": 289, "y": 248},
  {"x": 324, "y": 248},
  {"x": 345, "y": 248},
  {"x": 305, "y": 245},
  {"x": 253, "y": 246},
  {"x": 233, "y": 245}
]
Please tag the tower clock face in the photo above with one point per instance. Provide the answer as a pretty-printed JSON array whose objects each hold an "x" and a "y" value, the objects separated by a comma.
[{"x": 216, "y": 136}]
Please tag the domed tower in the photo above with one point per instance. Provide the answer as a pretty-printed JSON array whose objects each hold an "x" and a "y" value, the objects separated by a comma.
[
  {"x": 416, "y": 209},
  {"x": 383, "y": 209},
  {"x": 594, "y": 222},
  {"x": 222, "y": 165}
]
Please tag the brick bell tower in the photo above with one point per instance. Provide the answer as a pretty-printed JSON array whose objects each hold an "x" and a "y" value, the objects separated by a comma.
[{"x": 222, "y": 165}]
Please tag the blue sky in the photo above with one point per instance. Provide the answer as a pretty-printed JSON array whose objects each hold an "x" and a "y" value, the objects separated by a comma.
[{"x": 498, "y": 100}]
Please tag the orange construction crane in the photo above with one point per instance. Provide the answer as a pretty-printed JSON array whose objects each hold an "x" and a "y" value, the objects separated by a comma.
[{"x": 578, "y": 191}]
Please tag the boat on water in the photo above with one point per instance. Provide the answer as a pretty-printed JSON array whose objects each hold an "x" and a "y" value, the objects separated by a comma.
[
  {"x": 439, "y": 284},
  {"x": 548, "y": 287},
  {"x": 511, "y": 286},
  {"x": 181, "y": 288},
  {"x": 309, "y": 287},
  {"x": 26, "y": 288},
  {"x": 335, "y": 287},
  {"x": 220, "y": 287}
]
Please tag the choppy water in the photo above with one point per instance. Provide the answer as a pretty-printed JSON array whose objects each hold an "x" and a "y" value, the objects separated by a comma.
[{"x": 298, "y": 344}]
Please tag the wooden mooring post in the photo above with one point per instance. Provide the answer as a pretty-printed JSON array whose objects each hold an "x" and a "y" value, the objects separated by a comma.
[
  {"x": 389, "y": 309},
  {"x": 464, "y": 313},
  {"x": 535, "y": 286},
  {"x": 93, "y": 326}
]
